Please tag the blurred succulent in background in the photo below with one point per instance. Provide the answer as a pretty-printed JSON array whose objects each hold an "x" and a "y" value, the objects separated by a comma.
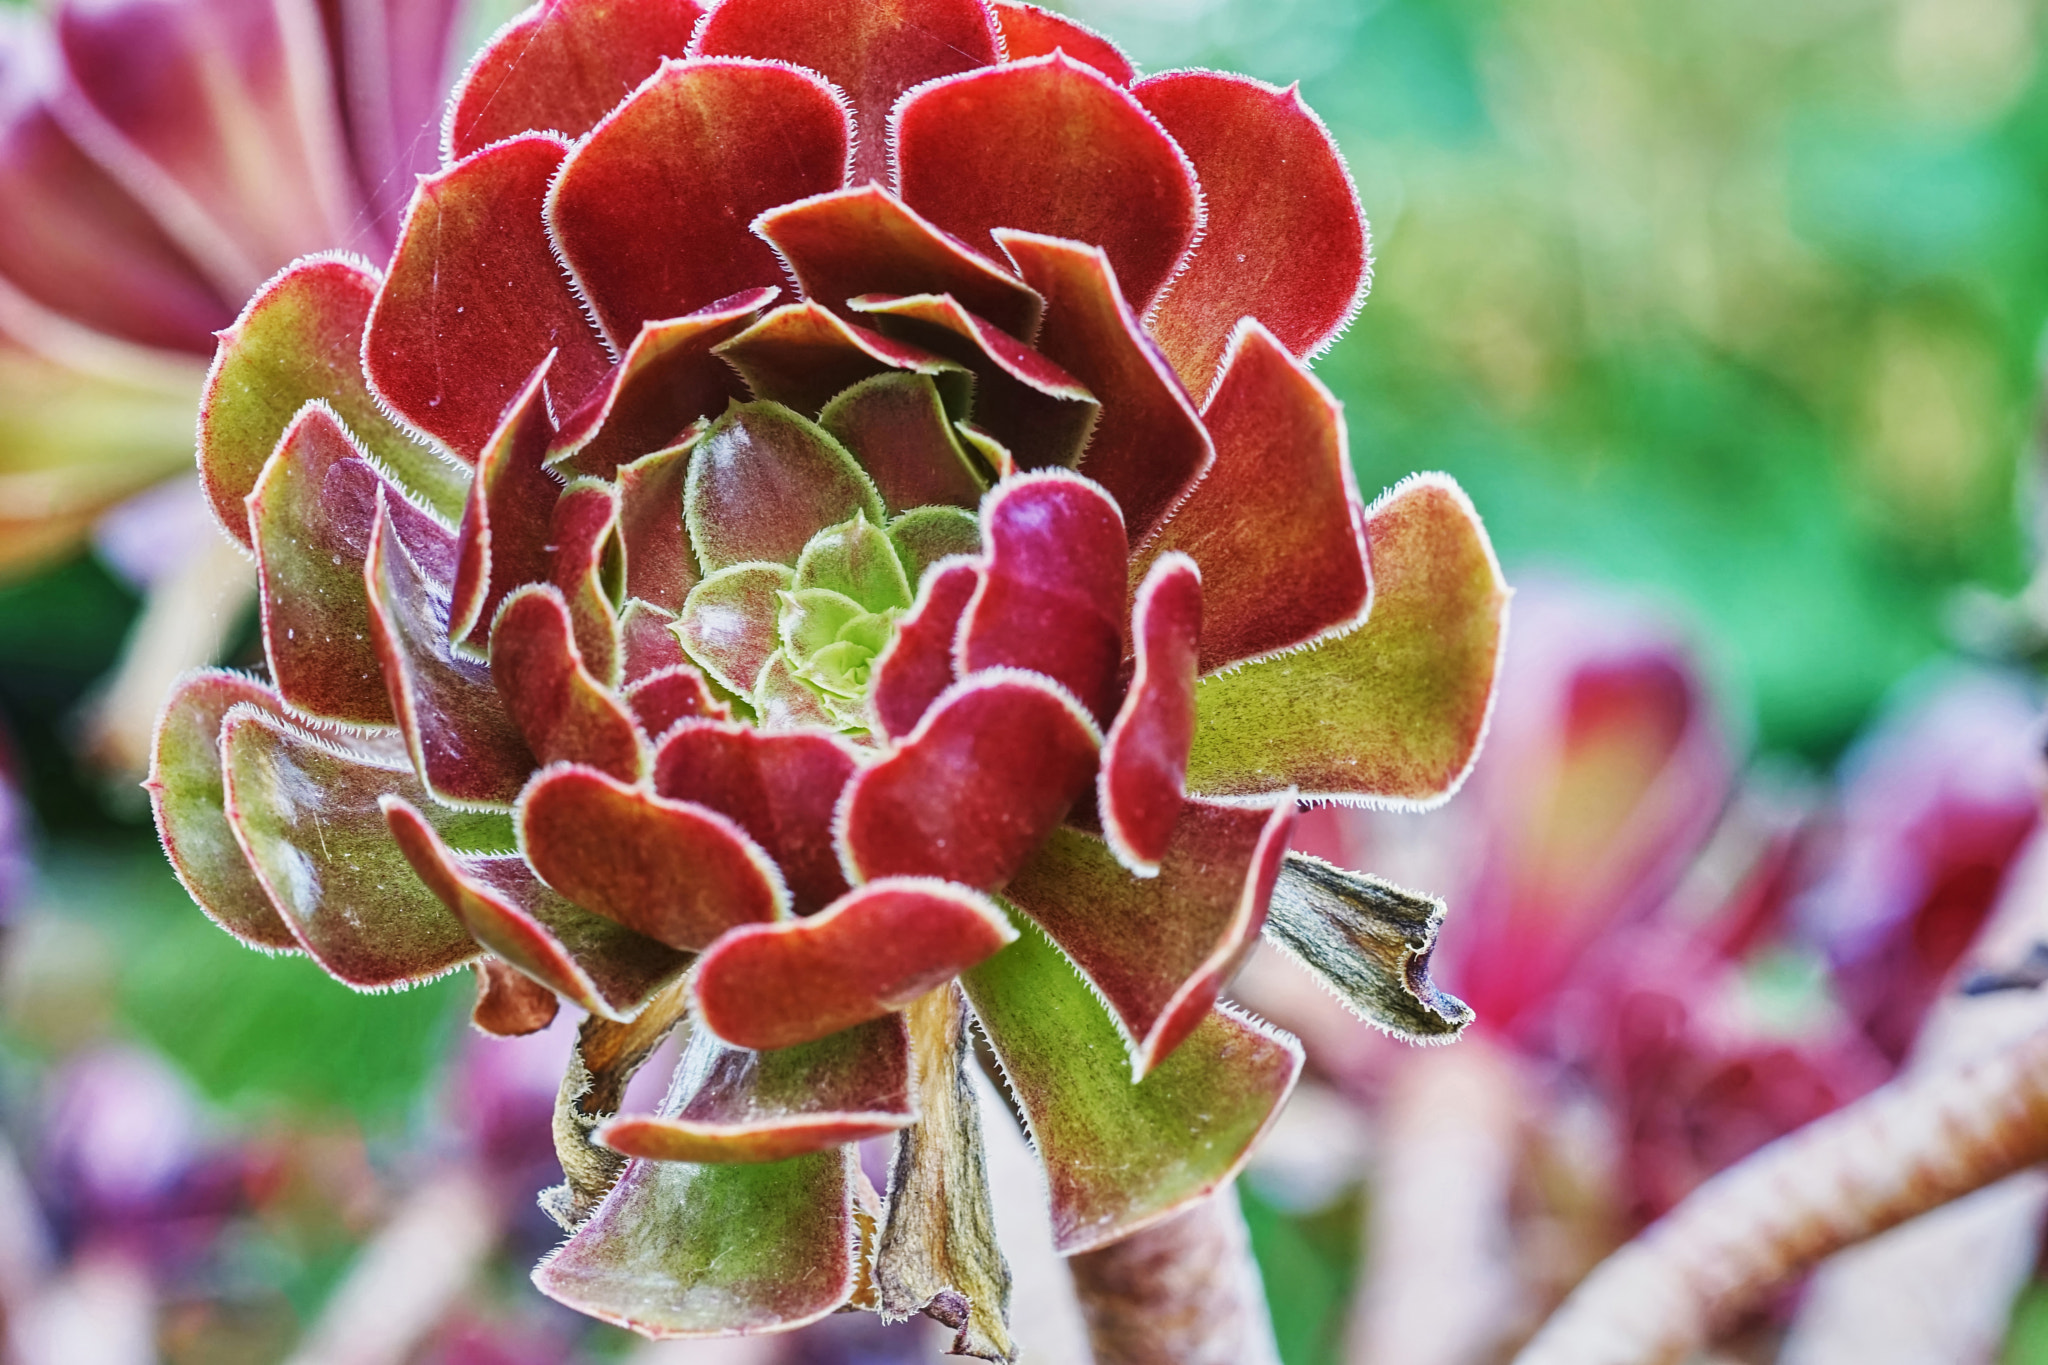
[{"x": 655, "y": 643}]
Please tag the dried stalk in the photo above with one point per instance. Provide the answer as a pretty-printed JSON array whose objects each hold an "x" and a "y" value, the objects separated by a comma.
[
  {"x": 1182, "y": 1292},
  {"x": 594, "y": 1086},
  {"x": 1909, "y": 1147}
]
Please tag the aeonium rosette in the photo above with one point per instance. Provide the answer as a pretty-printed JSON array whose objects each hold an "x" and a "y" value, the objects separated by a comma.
[{"x": 757, "y": 553}]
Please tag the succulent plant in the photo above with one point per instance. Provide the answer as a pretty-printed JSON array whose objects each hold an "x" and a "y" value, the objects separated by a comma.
[{"x": 757, "y": 554}]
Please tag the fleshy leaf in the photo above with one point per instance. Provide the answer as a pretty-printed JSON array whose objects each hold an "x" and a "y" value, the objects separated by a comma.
[
  {"x": 748, "y": 1106},
  {"x": 1392, "y": 712},
  {"x": 1149, "y": 446},
  {"x": 864, "y": 240},
  {"x": 464, "y": 746},
  {"x": 566, "y": 714},
  {"x": 299, "y": 339},
  {"x": 924, "y": 537},
  {"x": 1158, "y": 950},
  {"x": 871, "y": 952},
  {"x": 677, "y": 872},
  {"x": 763, "y": 481},
  {"x": 1053, "y": 586},
  {"x": 606, "y": 968},
  {"x": 897, "y": 428},
  {"x": 990, "y": 769},
  {"x": 475, "y": 300},
  {"x": 187, "y": 797},
  {"x": 647, "y": 638},
  {"x": 917, "y": 666},
  {"x": 782, "y": 700},
  {"x": 801, "y": 355},
  {"x": 628, "y": 209},
  {"x": 938, "y": 1253},
  {"x": 1285, "y": 241},
  {"x": 661, "y": 568},
  {"x": 779, "y": 788},
  {"x": 1037, "y": 410},
  {"x": 509, "y": 1003},
  {"x": 1050, "y": 145},
  {"x": 562, "y": 65},
  {"x": 504, "y": 533},
  {"x": 811, "y": 619},
  {"x": 874, "y": 50},
  {"x": 662, "y": 699},
  {"x": 668, "y": 379},
  {"x": 728, "y": 624},
  {"x": 1277, "y": 525},
  {"x": 311, "y": 515},
  {"x": 1369, "y": 942},
  {"x": 587, "y": 567},
  {"x": 679, "y": 1249},
  {"x": 603, "y": 1062},
  {"x": 307, "y": 816},
  {"x": 1118, "y": 1155},
  {"x": 1145, "y": 756},
  {"x": 1029, "y": 31},
  {"x": 856, "y": 559}
]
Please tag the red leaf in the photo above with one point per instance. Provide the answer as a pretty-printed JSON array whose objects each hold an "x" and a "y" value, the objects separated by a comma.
[
  {"x": 464, "y": 746},
  {"x": 871, "y": 952},
  {"x": 582, "y": 536},
  {"x": 1286, "y": 240},
  {"x": 780, "y": 788},
  {"x": 661, "y": 566},
  {"x": 1145, "y": 758},
  {"x": 503, "y": 539},
  {"x": 668, "y": 379},
  {"x": 1149, "y": 446},
  {"x": 1050, "y": 145},
  {"x": 1277, "y": 525},
  {"x": 561, "y": 66},
  {"x": 475, "y": 300},
  {"x": 604, "y": 967},
  {"x": 763, "y": 482},
  {"x": 674, "y": 871},
  {"x": 1159, "y": 949},
  {"x": 864, "y": 240},
  {"x": 661, "y": 700},
  {"x": 917, "y": 666},
  {"x": 565, "y": 713},
  {"x": 992, "y": 767},
  {"x": 629, "y": 209},
  {"x": 1029, "y": 31},
  {"x": 897, "y": 428},
  {"x": 510, "y": 1004},
  {"x": 648, "y": 637},
  {"x": 874, "y": 50},
  {"x": 1052, "y": 589},
  {"x": 801, "y": 355},
  {"x": 770, "y": 1106}
]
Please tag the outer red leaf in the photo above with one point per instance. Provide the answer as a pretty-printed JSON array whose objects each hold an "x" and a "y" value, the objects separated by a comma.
[
  {"x": 992, "y": 767},
  {"x": 1160, "y": 949},
  {"x": 628, "y": 210},
  {"x": 1029, "y": 31},
  {"x": 1149, "y": 446},
  {"x": 509, "y": 1003},
  {"x": 306, "y": 814},
  {"x": 728, "y": 624},
  {"x": 678, "y": 693},
  {"x": 770, "y": 1106},
  {"x": 604, "y": 967},
  {"x": 668, "y": 379},
  {"x": 1286, "y": 240},
  {"x": 864, "y": 240},
  {"x": 582, "y": 538},
  {"x": 896, "y": 426},
  {"x": 917, "y": 666},
  {"x": 1041, "y": 413},
  {"x": 187, "y": 797},
  {"x": 779, "y": 788},
  {"x": 1277, "y": 525},
  {"x": 562, "y": 65},
  {"x": 1052, "y": 586},
  {"x": 802, "y": 354},
  {"x": 503, "y": 539},
  {"x": 565, "y": 713},
  {"x": 475, "y": 300},
  {"x": 464, "y": 746},
  {"x": 311, "y": 513},
  {"x": 674, "y": 871},
  {"x": 874, "y": 50},
  {"x": 763, "y": 482},
  {"x": 1054, "y": 146},
  {"x": 648, "y": 638},
  {"x": 661, "y": 566},
  {"x": 1139, "y": 790}
]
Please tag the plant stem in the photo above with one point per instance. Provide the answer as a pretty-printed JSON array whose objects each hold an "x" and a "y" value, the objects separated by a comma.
[{"x": 1182, "y": 1292}]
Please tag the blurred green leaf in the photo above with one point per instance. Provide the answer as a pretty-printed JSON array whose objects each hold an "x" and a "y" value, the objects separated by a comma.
[{"x": 1308, "y": 1262}]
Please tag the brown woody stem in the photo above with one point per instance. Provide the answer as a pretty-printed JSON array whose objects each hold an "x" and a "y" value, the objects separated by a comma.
[
  {"x": 1182, "y": 1292},
  {"x": 1909, "y": 1147}
]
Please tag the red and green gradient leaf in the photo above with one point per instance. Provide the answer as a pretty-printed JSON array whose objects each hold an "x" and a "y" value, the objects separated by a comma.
[
  {"x": 802, "y": 354},
  {"x": 917, "y": 666},
  {"x": 763, "y": 481},
  {"x": 564, "y": 712}
]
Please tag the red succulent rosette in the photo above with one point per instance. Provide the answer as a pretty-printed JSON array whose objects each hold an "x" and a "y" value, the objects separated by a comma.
[{"x": 759, "y": 544}]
